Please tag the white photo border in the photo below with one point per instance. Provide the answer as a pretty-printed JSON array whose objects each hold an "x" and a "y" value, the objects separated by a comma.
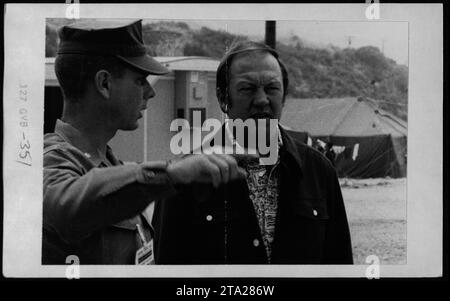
[{"x": 23, "y": 102}]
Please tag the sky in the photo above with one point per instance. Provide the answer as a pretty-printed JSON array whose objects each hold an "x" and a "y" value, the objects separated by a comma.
[{"x": 390, "y": 37}]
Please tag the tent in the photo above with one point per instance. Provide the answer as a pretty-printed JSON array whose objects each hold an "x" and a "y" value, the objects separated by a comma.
[{"x": 369, "y": 142}]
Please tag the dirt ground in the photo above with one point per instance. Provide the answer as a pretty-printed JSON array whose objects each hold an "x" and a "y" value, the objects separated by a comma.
[{"x": 376, "y": 210}]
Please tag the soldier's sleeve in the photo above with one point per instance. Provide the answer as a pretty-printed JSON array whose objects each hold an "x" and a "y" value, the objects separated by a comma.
[{"x": 76, "y": 203}]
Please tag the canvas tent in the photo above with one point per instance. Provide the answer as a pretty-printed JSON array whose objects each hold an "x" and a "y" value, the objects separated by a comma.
[{"x": 370, "y": 142}]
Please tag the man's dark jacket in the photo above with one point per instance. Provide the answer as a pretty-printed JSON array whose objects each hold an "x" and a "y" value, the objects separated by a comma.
[{"x": 203, "y": 225}]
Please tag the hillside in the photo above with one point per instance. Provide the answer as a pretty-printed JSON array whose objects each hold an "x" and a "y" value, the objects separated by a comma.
[{"x": 314, "y": 72}]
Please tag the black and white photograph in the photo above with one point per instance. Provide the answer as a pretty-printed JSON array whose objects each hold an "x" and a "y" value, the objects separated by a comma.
[{"x": 292, "y": 140}]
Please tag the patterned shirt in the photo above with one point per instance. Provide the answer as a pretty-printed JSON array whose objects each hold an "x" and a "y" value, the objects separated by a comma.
[{"x": 262, "y": 181}]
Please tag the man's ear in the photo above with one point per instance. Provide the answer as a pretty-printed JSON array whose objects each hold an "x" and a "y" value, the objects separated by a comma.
[
  {"x": 103, "y": 83},
  {"x": 283, "y": 101},
  {"x": 223, "y": 100}
]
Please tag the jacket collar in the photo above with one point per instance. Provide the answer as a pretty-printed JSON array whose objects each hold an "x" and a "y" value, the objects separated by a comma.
[
  {"x": 73, "y": 136},
  {"x": 290, "y": 148},
  {"x": 286, "y": 143}
]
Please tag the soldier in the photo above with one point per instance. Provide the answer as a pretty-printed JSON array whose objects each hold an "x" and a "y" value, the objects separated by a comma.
[{"x": 93, "y": 204}]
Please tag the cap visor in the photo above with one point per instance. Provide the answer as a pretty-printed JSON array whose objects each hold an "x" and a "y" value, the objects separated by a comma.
[{"x": 146, "y": 64}]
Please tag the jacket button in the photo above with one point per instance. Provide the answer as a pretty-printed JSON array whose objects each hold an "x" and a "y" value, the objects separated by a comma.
[
  {"x": 256, "y": 242},
  {"x": 315, "y": 212},
  {"x": 209, "y": 218}
]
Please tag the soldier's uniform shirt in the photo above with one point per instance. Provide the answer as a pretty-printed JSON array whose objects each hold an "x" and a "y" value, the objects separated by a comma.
[{"x": 93, "y": 202}]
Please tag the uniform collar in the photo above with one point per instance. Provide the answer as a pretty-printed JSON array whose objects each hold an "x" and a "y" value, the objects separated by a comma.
[{"x": 73, "y": 136}]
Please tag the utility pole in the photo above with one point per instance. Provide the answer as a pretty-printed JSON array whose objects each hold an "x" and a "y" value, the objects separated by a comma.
[
  {"x": 270, "y": 38},
  {"x": 349, "y": 40}
]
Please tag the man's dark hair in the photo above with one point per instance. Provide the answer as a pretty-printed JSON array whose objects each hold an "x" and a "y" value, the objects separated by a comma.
[
  {"x": 74, "y": 71},
  {"x": 222, "y": 76}
]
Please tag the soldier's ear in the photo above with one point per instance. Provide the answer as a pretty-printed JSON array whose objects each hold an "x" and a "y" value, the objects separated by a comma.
[{"x": 102, "y": 83}]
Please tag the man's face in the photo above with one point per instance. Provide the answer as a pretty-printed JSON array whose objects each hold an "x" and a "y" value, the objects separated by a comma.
[
  {"x": 255, "y": 87},
  {"x": 130, "y": 93}
]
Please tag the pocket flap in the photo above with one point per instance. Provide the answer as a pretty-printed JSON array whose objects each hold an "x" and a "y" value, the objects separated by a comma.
[
  {"x": 127, "y": 224},
  {"x": 311, "y": 208}
]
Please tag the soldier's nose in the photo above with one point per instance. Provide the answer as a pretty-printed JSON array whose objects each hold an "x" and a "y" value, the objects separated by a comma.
[{"x": 149, "y": 92}]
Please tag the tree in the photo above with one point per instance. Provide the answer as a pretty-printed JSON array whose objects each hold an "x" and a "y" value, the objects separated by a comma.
[{"x": 313, "y": 72}]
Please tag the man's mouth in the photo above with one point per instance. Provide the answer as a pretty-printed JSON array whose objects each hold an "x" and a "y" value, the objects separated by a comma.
[{"x": 262, "y": 116}]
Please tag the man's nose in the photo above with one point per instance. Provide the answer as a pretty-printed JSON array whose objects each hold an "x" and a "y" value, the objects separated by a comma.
[
  {"x": 260, "y": 98},
  {"x": 149, "y": 92}
]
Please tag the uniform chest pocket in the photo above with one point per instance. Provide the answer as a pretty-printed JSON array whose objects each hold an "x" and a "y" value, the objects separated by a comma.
[
  {"x": 120, "y": 242},
  {"x": 314, "y": 209}
]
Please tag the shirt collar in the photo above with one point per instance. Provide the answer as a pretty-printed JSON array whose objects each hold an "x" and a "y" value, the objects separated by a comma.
[
  {"x": 73, "y": 136},
  {"x": 230, "y": 137}
]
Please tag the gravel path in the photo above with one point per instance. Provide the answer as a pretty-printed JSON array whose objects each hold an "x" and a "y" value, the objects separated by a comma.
[{"x": 376, "y": 210}]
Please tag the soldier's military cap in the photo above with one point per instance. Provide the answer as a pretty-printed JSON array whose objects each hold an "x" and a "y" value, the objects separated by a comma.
[{"x": 122, "y": 39}]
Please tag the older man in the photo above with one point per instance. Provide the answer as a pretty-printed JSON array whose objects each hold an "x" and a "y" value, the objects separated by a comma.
[
  {"x": 287, "y": 212},
  {"x": 93, "y": 204}
]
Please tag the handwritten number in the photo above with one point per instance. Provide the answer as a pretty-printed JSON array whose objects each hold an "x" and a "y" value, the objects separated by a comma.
[
  {"x": 24, "y": 155},
  {"x": 26, "y": 145}
]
